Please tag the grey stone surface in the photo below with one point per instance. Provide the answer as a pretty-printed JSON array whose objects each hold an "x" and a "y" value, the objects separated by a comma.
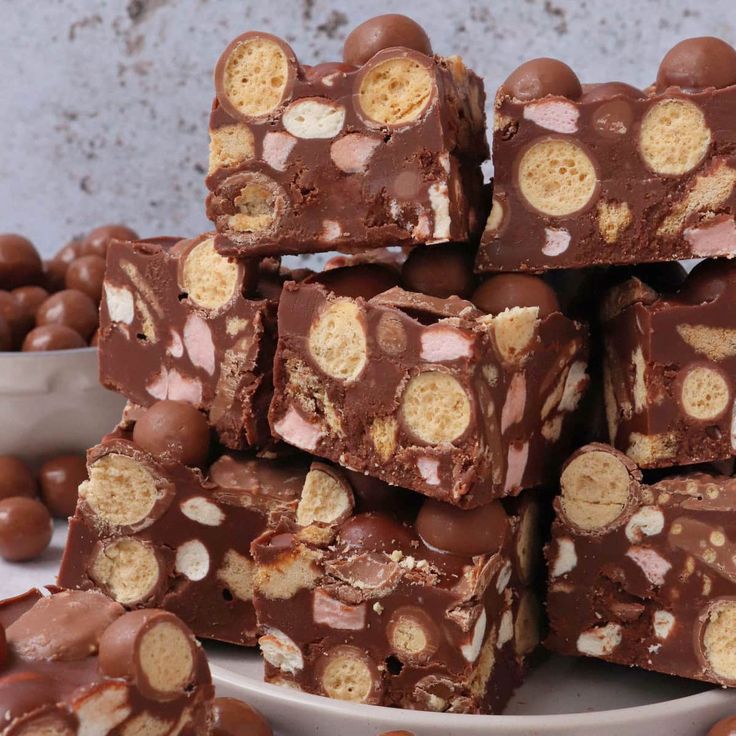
[{"x": 103, "y": 105}]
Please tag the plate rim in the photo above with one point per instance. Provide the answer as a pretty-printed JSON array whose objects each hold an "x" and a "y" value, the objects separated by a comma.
[{"x": 709, "y": 699}]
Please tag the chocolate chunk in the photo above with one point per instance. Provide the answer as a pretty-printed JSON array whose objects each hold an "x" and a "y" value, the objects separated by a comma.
[
  {"x": 504, "y": 291},
  {"x": 54, "y": 274},
  {"x": 539, "y": 78},
  {"x": 94, "y": 341},
  {"x": 152, "y": 648},
  {"x": 86, "y": 274},
  {"x": 16, "y": 478},
  {"x": 698, "y": 63},
  {"x": 71, "y": 308},
  {"x": 52, "y": 337},
  {"x": 65, "y": 627},
  {"x": 365, "y": 280},
  {"x": 174, "y": 430},
  {"x": 473, "y": 532},
  {"x": 25, "y": 528},
  {"x": 374, "y": 532},
  {"x": 16, "y": 316},
  {"x": 97, "y": 240},
  {"x": 20, "y": 263},
  {"x": 30, "y": 298},
  {"x": 3, "y": 647},
  {"x": 609, "y": 90},
  {"x": 59, "y": 479},
  {"x": 439, "y": 270},
  {"x": 231, "y": 717},
  {"x": 383, "y": 32}
]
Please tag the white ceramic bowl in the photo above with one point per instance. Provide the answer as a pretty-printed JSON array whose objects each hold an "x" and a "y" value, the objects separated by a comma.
[{"x": 52, "y": 402}]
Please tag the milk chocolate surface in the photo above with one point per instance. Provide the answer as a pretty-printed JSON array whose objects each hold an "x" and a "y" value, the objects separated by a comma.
[
  {"x": 55, "y": 680},
  {"x": 427, "y": 393},
  {"x": 614, "y": 175},
  {"x": 181, "y": 322},
  {"x": 670, "y": 368},
  {"x": 151, "y": 532},
  {"x": 341, "y": 157},
  {"x": 358, "y": 607},
  {"x": 643, "y": 573}
]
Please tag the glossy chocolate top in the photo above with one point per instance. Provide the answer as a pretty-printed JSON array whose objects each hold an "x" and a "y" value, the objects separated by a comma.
[
  {"x": 440, "y": 270},
  {"x": 505, "y": 291},
  {"x": 541, "y": 77},
  {"x": 383, "y": 32},
  {"x": 477, "y": 531},
  {"x": 20, "y": 263},
  {"x": 698, "y": 63},
  {"x": 175, "y": 430},
  {"x": 64, "y": 627}
]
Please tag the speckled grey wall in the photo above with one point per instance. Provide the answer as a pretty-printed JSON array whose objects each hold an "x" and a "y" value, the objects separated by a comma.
[{"x": 103, "y": 105}]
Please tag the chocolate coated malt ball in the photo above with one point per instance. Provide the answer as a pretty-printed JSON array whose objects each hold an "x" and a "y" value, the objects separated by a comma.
[
  {"x": 384, "y": 32},
  {"x": 608, "y": 90},
  {"x": 59, "y": 479},
  {"x": 20, "y": 263},
  {"x": 231, "y": 717},
  {"x": 71, "y": 308},
  {"x": 16, "y": 316},
  {"x": 365, "y": 280},
  {"x": 70, "y": 252},
  {"x": 86, "y": 274},
  {"x": 726, "y": 727},
  {"x": 507, "y": 290},
  {"x": 6, "y": 335},
  {"x": 52, "y": 337},
  {"x": 25, "y": 528},
  {"x": 460, "y": 532},
  {"x": 54, "y": 274},
  {"x": 707, "y": 281},
  {"x": 16, "y": 478},
  {"x": 439, "y": 270},
  {"x": 698, "y": 63},
  {"x": 174, "y": 430},
  {"x": 663, "y": 277},
  {"x": 97, "y": 241},
  {"x": 30, "y": 298},
  {"x": 375, "y": 532},
  {"x": 539, "y": 78}
]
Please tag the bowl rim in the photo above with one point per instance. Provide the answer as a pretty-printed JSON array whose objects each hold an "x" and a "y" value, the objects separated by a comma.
[{"x": 9, "y": 354}]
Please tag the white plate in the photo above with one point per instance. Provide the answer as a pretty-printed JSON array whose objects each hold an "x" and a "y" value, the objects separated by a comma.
[
  {"x": 563, "y": 696},
  {"x": 56, "y": 403}
]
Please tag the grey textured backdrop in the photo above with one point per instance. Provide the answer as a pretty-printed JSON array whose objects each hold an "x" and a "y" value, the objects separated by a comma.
[{"x": 103, "y": 105}]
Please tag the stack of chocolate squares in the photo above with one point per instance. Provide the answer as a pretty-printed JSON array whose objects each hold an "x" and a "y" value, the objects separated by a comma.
[
  {"x": 350, "y": 468},
  {"x": 329, "y": 464},
  {"x": 642, "y": 564}
]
